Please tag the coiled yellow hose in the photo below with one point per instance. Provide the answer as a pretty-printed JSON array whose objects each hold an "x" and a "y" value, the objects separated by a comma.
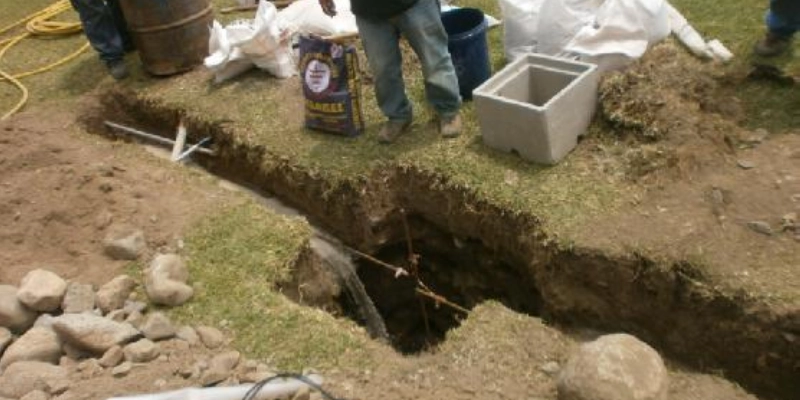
[{"x": 38, "y": 24}]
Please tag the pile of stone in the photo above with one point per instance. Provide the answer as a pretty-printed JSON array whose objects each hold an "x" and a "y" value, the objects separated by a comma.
[{"x": 51, "y": 328}]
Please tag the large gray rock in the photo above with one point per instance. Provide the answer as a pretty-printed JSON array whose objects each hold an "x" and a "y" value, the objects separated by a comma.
[
  {"x": 13, "y": 314},
  {"x": 37, "y": 344},
  {"x": 189, "y": 335},
  {"x": 614, "y": 367},
  {"x": 42, "y": 290},
  {"x": 5, "y": 339},
  {"x": 79, "y": 298},
  {"x": 156, "y": 326},
  {"x": 165, "y": 281},
  {"x": 141, "y": 351},
  {"x": 124, "y": 244},
  {"x": 113, "y": 294},
  {"x": 93, "y": 333},
  {"x": 112, "y": 357},
  {"x": 24, "y": 377},
  {"x": 211, "y": 337}
]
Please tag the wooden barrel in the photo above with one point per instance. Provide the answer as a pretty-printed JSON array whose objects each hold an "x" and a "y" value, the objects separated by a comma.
[{"x": 170, "y": 35}]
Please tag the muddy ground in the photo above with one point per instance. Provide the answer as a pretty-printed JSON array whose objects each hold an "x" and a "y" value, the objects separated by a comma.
[{"x": 63, "y": 189}]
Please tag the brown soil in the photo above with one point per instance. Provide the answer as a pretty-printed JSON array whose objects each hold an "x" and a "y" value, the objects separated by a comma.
[
  {"x": 62, "y": 191},
  {"x": 61, "y": 187}
]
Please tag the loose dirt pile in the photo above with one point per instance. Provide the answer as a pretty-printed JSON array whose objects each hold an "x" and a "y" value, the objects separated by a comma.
[{"x": 673, "y": 112}]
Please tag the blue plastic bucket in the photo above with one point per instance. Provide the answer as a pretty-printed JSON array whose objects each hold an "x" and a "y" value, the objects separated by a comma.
[{"x": 466, "y": 31}]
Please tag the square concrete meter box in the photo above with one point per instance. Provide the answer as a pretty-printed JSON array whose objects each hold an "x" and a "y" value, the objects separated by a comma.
[{"x": 537, "y": 106}]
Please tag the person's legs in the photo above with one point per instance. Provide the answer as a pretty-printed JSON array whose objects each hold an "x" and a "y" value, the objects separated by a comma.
[
  {"x": 422, "y": 26},
  {"x": 120, "y": 24},
  {"x": 381, "y": 43},
  {"x": 100, "y": 29},
  {"x": 783, "y": 20}
]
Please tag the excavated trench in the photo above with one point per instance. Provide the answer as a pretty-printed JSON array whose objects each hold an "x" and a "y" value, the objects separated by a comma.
[{"x": 470, "y": 251}]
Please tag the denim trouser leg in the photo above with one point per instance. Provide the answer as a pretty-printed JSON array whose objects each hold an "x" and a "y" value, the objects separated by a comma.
[
  {"x": 783, "y": 17},
  {"x": 98, "y": 24},
  {"x": 381, "y": 42},
  {"x": 421, "y": 25},
  {"x": 120, "y": 23}
]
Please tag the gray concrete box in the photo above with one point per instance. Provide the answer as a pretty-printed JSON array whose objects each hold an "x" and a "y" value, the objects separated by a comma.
[{"x": 537, "y": 106}]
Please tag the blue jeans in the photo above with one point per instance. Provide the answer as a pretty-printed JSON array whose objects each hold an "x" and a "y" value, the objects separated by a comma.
[
  {"x": 421, "y": 25},
  {"x": 783, "y": 17},
  {"x": 105, "y": 27}
]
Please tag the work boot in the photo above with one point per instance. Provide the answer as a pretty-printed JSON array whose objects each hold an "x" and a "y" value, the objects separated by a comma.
[
  {"x": 450, "y": 127},
  {"x": 118, "y": 69},
  {"x": 772, "y": 45},
  {"x": 391, "y": 130}
]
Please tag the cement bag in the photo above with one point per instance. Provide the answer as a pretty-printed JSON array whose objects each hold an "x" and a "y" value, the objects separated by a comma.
[
  {"x": 306, "y": 17},
  {"x": 521, "y": 19},
  {"x": 610, "y": 33},
  {"x": 331, "y": 86}
]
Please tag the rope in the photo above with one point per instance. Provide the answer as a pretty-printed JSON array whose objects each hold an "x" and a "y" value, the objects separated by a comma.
[{"x": 38, "y": 24}]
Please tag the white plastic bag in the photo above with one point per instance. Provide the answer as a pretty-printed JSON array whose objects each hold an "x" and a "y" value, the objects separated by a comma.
[
  {"x": 262, "y": 42},
  {"x": 306, "y": 17},
  {"x": 521, "y": 20},
  {"x": 610, "y": 33}
]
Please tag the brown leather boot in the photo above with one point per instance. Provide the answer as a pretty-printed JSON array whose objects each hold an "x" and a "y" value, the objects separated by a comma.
[{"x": 772, "y": 45}]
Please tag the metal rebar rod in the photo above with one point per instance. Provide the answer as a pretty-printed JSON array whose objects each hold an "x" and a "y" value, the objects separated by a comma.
[{"x": 150, "y": 136}]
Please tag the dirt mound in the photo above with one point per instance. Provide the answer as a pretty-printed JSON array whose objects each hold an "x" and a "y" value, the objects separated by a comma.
[{"x": 674, "y": 111}]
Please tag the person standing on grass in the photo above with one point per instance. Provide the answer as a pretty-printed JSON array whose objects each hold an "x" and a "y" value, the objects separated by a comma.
[
  {"x": 783, "y": 20},
  {"x": 107, "y": 31},
  {"x": 381, "y": 23}
]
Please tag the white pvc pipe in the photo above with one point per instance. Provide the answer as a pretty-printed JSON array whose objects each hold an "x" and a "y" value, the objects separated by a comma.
[
  {"x": 150, "y": 136},
  {"x": 274, "y": 390},
  {"x": 180, "y": 141}
]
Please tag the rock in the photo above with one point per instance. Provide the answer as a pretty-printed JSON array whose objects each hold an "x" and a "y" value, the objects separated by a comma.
[
  {"x": 211, "y": 337},
  {"x": 212, "y": 377},
  {"x": 117, "y": 315},
  {"x": 165, "y": 281},
  {"x": 24, "y": 377},
  {"x": 225, "y": 361},
  {"x": 303, "y": 394},
  {"x": 112, "y": 357},
  {"x": 37, "y": 344},
  {"x": 5, "y": 339},
  {"x": 79, "y": 298},
  {"x": 550, "y": 368},
  {"x": 36, "y": 395},
  {"x": 134, "y": 306},
  {"x": 89, "y": 368},
  {"x": 141, "y": 351},
  {"x": 613, "y": 367},
  {"x": 42, "y": 290},
  {"x": 56, "y": 387},
  {"x": 13, "y": 314},
  {"x": 124, "y": 244},
  {"x": 156, "y": 326},
  {"x": 44, "y": 321},
  {"x": 189, "y": 335},
  {"x": 789, "y": 222},
  {"x": 761, "y": 227},
  {"x": 93, "y": 333},
  {"x": 112, "y": 295},
  {"x": 75, "y": 353},
  {"x": 122, "y": 369},
  {"x": 135, "y": 318},
  {"x": 744, "y": 164}
]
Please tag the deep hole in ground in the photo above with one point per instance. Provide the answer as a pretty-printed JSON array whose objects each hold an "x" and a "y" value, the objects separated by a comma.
[
  {"x": 464, "y": 272},
  {"x": 683, "y": 314}
]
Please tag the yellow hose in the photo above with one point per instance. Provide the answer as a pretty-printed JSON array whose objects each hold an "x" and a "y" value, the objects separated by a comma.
[{"x": 38, "y": 24}]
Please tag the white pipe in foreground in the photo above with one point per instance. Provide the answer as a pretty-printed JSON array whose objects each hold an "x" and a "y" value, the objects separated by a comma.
[{"x": 271, "y": 391}]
